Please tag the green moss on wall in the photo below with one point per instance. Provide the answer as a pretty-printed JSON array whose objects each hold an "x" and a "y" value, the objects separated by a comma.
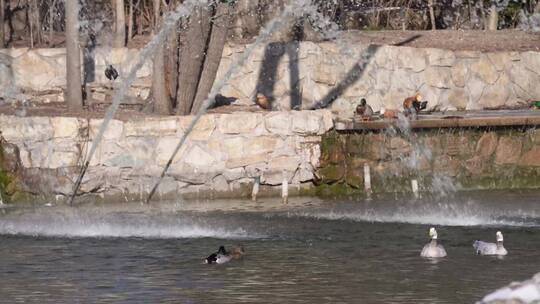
[
  {"x": 337, "y": 190},
  {"x": 453, "y": 154},
  {"x": 5, "y": 178}
]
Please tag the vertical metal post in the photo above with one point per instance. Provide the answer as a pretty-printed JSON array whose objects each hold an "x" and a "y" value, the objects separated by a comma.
[
  {"x": 414, "y": 186},
  {"x": 285, "y": 189},
  {"x": 367, "y": 180},
  {"x": 255, "y": 191}
]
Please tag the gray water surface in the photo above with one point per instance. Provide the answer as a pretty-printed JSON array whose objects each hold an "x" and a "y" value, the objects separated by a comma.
[{"x": 310, "y": 251}]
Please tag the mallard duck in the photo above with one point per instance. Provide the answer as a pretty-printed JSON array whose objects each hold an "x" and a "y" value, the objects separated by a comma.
[
  {"x": 262, "y": 101},
  {"x": 223, "y": 256},
  {"x": 364, "y": 110},
  {"x": 485, "y": 248},
  {"x": 432, "y": 249},
  {"x": 237, "y": 252}
]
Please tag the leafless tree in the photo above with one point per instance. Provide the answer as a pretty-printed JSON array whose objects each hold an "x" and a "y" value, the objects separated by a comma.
[
  {"x": 73, "y": 58},
  {"x": 120, "y": 24},
  {"x": 246, "y": 20},
  {"x": 192, "y": 52},
  {"x": 220, "y": 25},
  {"x": 493, "y": 18},
  {"x": 432, "y": 14},
  {"x": 2, "y": 25},
  {"x": 34, "y": 21},
  {"x": 162, "y": 104},
  {"x": 131, "y": 16}
]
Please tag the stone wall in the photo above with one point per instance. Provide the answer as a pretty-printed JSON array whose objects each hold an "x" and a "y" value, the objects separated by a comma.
[
  {"x": 311, "y": 72},
  {"x": 385, "y": 75},
  {"x": 39, "y": 74},
  {"x": 221, "y": 157},
  {"x": 441, "y": 160}
]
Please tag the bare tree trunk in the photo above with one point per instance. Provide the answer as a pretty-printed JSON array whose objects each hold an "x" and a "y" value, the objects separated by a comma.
[
  {"x": 120, "y": 24},
  {"x": 403, "y": 14},
  {"x": 140, "y": 18},
  {"x": 2, "y": 32},
  {"x": 130, "y": 21},
  {"x": 31, "y": 21},
  {"x": 218, "y": 37},
  {"x": 162, "y": 104},
  {"x": 493, "y": 17},
  {"x": 36, "y": 21},
  {"x": 51, "y": 21},
  {"x": 171, "y": 59},
  {"x": 193, "y": 46},
  {"x": 537, "y": 7},
  {"x": 171, "y": 68},
  {"x": 246, "y": 20},
  {"x": 156, "y": 5},
  {"x": 73, "y": 57},
  {"x": 432, "y": 14}
]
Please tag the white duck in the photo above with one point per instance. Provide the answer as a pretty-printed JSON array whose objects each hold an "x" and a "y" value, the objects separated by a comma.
[
  {"x": 485, "y": 248},
  {"x": 432, "y": 249}
]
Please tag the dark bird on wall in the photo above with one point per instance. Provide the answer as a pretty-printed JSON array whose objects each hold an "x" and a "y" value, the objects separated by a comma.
[
  {"x": 364, "y": 110},
  {"x": 221, "y": 100},
  {"x": 111, "y": 73},
  {"x": 262, "y": 101}
]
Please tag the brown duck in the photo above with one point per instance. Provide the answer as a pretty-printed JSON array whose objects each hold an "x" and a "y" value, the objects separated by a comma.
[
  {"x": 262, "y": 101},
  {"x": 413, "y": 104}
]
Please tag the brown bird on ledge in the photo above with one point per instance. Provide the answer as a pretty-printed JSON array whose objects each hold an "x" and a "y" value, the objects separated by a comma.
[
  {"x": 364, "y": 110},
  {"x": 414, "y": 104},
  {"x": 389, "y": 114},
  {"x": 262, "y": 101}
]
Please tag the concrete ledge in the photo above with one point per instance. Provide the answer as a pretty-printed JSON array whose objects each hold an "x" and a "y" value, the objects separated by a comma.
[{"x": 448, "y": 120}]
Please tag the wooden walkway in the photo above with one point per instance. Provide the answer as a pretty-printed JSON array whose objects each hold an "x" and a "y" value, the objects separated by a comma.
[{"x": 455, "y": 119}]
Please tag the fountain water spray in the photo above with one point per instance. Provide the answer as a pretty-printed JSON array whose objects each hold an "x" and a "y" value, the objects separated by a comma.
[
  {"x": 441, "y": 184},
  {"x": 169, "y": 22}
]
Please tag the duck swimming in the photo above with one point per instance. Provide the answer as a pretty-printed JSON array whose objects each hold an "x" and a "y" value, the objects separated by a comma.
[
  {"x": 485, "y": 248},
  {"x": 222, "y": 256},
  {"x": 432, "y": 249}
]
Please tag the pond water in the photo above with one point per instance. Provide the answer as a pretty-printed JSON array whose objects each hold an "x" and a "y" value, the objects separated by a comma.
[{"x": 310, "y": 251}]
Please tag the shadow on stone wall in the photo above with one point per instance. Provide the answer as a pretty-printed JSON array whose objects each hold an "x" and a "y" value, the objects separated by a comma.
[
  {"x": 273, "y": 53},
  {"x": 268, "y": 74},
  {"x": 355, "y": 73}
]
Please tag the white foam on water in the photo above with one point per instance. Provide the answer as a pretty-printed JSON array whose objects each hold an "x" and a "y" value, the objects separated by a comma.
[
  {"x": 444, "y": 214},
  {"x": 125, "y": 225}
]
